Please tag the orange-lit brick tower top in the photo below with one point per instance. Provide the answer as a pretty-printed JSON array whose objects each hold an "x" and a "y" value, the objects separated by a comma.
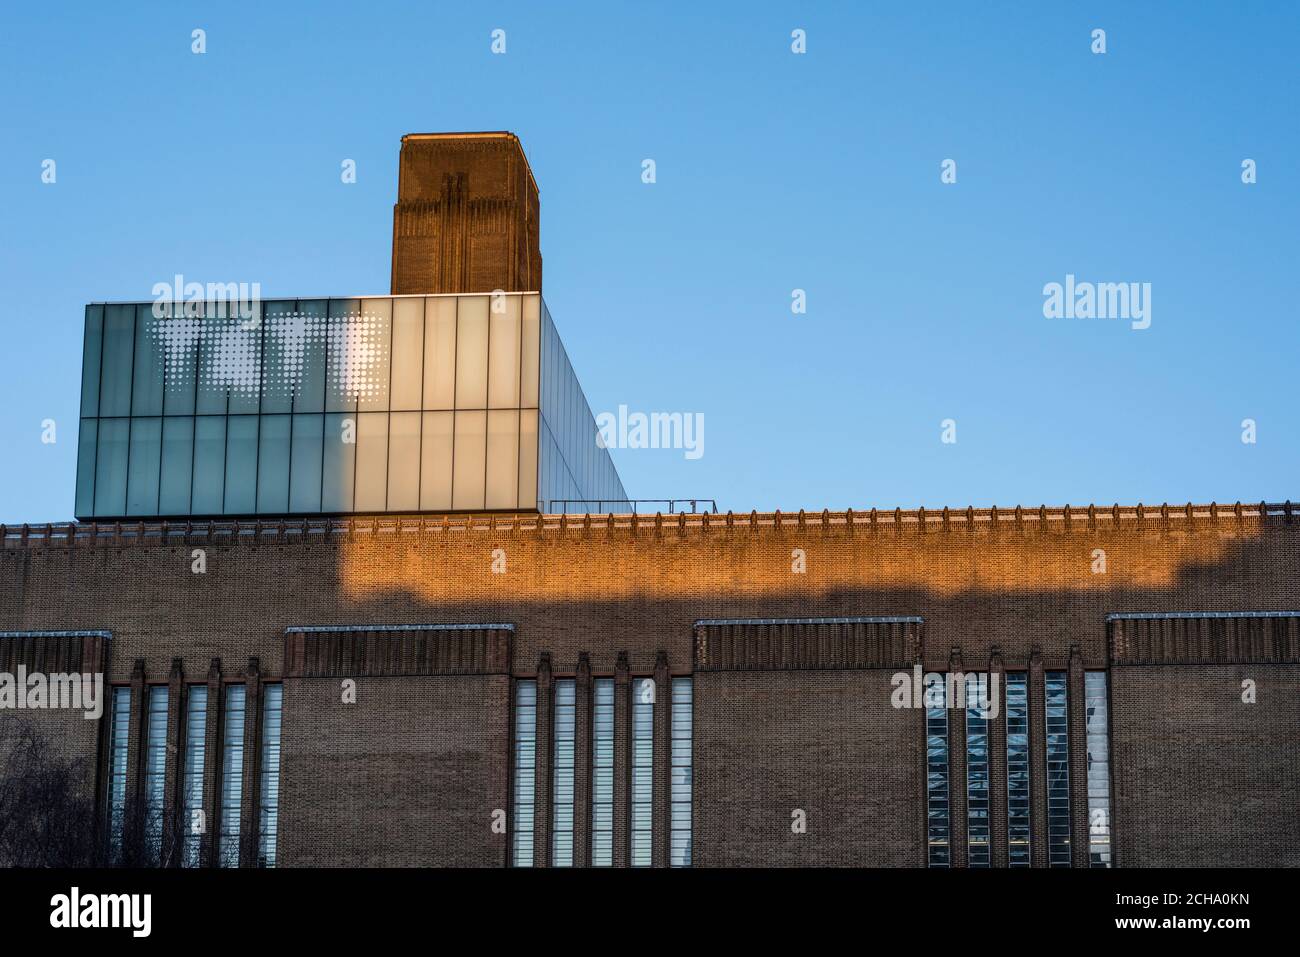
[{"x": 466, "y": 218}]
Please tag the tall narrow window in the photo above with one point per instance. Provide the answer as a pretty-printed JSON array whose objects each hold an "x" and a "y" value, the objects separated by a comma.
[
  {"x": 1058, "y": 770},
  {"x": 268, "y": 820},
  {"x": 119, "y": 737},
  {"x": 521, "y": 847},
  {"x": 602, "y": 774},
  {"x": 193, "y": 825},
  {"x": 155, "y": 771},
  {"x": 936, "y": 776},
  {"x": 562, "y": 779},
  {"x": 232, "y": 776},
  {"x": 1098, "y": 730},
  {"x": 1018, "y": 802},
  {"x": 643, "y": 755},
  {"x": 977, "y": 770},
  {"x": 679, "y": 846}
]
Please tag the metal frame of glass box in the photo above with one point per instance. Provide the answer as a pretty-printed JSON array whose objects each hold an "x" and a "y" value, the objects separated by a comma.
[{"x": 377, "y": 404}]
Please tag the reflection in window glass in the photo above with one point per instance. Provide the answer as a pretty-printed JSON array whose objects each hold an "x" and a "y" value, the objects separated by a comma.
[
  {"x": 115, "y": 369},
  {"x": 87, "y": 435},
  {"x": 269, "y": 792},
  {"x": 147, "y": 372},
  {"x": 977, "y": 771},
  {"x": 177, "y": 465},
  {"x": 936, "y": 771},
  {"x": 142, "y": 478},
  {"x": 91, "y": 353},
  {"x": 679, "y": 852},
  {"x": 1098, "y": 732},
  {"x": 345, "y": 372},
  {"x": 310, "y": 393},
  {"x": 209, "y": 464},
  {"x": 110, "y": 468},
  {"x": 602, "y": 774},
  {"x": 285, "y": 342},
  {"x": 241, "y": 465},
  {"x": 155, "y": 770},
  {"x": 179, "y": 342},
  {"x": 1018, "y": 800},
  {"x": 273, "y": 464},
  {"x": 562, "y": 778},
  {"x": 305, "y": 466},
  {"x": 1058, "y": 771},
  {"x": 232, "y": 776},
  {"x": 196, "y": 742},
  {"x": 525, "y": 773},
  {"x": 643, "y": 755}
]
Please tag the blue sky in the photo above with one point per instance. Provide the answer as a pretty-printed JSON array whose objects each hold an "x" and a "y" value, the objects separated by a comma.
[{"x": 775, "y": 171}]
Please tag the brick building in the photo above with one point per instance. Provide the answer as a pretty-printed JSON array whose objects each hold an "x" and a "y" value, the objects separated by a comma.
[{"x": 395, "y": 650}]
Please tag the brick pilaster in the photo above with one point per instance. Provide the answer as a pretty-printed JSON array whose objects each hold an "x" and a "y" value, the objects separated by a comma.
[
  {"x": 1077, "y": 704},
  {"x": 1037, "y": 761},
  {"x": 998, "y": 760},
  {"x": 958, "y": 825},
  {"x": 545, "y": 734},
  {"x": 662, "y": 751},
  {"x": 582, "y": 737},
  {"x": 248, "y": 798}
]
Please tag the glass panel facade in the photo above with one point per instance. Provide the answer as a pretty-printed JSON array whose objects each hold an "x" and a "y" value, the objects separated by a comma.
[
  {"x": 193, "y": 825},
  {"x": 155, "y": 769},
  {"x": 977, "y": 772},
  {"x": 232, "y": 776},
  {"x": 680, "y": 780},
  {"x": 1058, "y": 770},
  {"x": 525, "y": 774},
  {"x": 602, "y": 773},
  {"x": 1018, "y": 800},
  {"x": 1098, "y": 735},
  {"x": 119, "y": 736},
  {"x": 390, "y": 404},
  {"x": 268, "y": 820},
  {"x": 562, "y": 773},
  {"x": 643, "y": 756},
  {"x": 936, "y": 775}
]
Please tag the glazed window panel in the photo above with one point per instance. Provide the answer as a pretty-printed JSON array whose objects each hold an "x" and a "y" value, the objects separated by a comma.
[
  {"x": 144, "y": 467},
  {"x": 681, "y": 777},
  {"x": 407, "y": 354},
  {"x": 503, "y": 353},
  {"x": 1018, "y": 768},
  {"x": 177, "y": 465},
  {"x": 119, "y": 737},
  {"x": 1098, "y": 740},
  {"x": 193, "y": 819},
  {"x": 472, "y": 352},
  {"x": 269, "y": 791},
  {"x": 642, "y": 798},
  {"x": 232, "y": 776},
  {"x": 525, "y": 774},
  {"x": 91, "y": 356},
  {"x": 938, "y": 823},
  {"x": 147, "y": 366},
  {"x": 602, "y": 773},
  {"x": 562, "y": 777},
  {"x": 155, "y": 769},
  {"x": 977, "y": 771},
  {"x": 1058, "y": 769}
]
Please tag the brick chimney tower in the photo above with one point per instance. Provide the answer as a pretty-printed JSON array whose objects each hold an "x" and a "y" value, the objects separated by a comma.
[{"x": 466, "y": 218}]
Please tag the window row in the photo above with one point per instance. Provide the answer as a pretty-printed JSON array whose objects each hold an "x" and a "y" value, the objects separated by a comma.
[
  {"x": 318, "y": 355},
  {"x": 973, "y": 692},
  {"x": 564, "y": 731},
  {"x": 191, "y": 825},
  {"x": 297, "y": 464}
]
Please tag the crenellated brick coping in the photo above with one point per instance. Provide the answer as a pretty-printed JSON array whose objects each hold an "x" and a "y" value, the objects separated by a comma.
[{"x": 323, "y": 529}]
